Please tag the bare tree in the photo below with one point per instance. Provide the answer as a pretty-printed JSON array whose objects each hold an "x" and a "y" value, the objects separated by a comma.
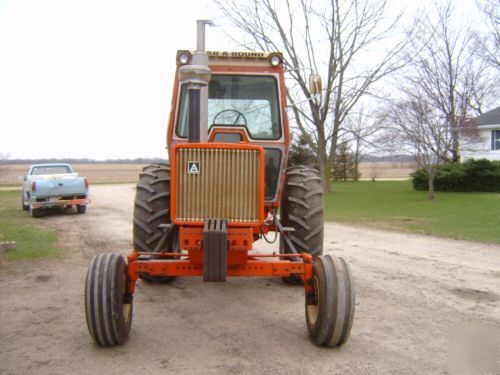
[
  {"x": 489, "y": 43},
  {"x": 447, "y": 74},
  {"x": 361, "y": 126},
  {"x": 328, "y": 37},
  {"x": 414, "y": 128}
]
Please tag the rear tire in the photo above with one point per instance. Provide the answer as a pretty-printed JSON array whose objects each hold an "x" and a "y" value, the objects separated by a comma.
[
  {"x": 81, "y": 209},
  {"x": 302, "y": 209},
  {"x": 108, "y": 307},
  {"x": 26, "y": 207},
  {"x": 330, "y": 312},
  {"x": 34, "y": 212},
  {"x": 151, "y": 209}
]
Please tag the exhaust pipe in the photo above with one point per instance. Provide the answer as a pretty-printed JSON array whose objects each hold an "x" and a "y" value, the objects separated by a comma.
[{"x": 196, "y": 76}]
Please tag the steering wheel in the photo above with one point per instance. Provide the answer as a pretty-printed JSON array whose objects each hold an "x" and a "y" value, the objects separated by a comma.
[{"x": 238, "y": 115}]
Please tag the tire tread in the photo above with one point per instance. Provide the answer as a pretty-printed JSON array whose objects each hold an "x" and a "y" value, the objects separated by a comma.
[
  {"x": 152, "y": 208},
  {"x": 104, "y": 300},
  {"x": 302, "y": 209},
  {"x": 336, "y": 302}
]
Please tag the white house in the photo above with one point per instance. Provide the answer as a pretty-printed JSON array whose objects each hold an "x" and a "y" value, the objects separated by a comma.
[{"x": 488, "y": 125}]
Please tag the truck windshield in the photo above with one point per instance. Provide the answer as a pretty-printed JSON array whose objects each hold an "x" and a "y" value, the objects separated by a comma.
[
  {"x": 50, "y": 169},
  {"x": 237, "y": 100}
]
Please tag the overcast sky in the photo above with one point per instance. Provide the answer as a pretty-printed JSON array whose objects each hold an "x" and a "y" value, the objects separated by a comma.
[{"x": 93, "y": 78}]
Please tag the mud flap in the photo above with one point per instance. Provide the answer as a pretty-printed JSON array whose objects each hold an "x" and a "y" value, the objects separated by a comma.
[{"x": 215, "y": 250}]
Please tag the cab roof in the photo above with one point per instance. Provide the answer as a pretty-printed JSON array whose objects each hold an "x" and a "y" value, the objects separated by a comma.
[{"x": 247, "y": 58}]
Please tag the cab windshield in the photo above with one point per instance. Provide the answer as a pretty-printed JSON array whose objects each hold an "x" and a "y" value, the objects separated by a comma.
[{"x": 237, "y": 100}]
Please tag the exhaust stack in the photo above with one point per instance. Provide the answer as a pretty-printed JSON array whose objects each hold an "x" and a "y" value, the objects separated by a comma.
[{"x": 196, "y": 76}]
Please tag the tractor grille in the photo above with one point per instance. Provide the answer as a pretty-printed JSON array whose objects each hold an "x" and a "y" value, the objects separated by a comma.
[{"x": 226, "y": 185}]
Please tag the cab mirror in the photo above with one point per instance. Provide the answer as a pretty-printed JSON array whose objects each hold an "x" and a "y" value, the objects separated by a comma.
[{"x": 315, "y": 84}]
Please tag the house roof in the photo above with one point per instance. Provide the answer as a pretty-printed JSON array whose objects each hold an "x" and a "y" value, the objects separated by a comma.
[{"x": 489, "y": 118}]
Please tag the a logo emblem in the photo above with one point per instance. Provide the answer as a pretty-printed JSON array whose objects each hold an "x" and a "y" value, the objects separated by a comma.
[{"x": 193, "y": 167}]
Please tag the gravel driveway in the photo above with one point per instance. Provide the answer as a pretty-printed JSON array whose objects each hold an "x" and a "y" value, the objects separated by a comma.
[{"x": 415, "y": 295}]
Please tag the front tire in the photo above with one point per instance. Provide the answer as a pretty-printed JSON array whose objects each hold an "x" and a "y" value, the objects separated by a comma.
[
  {"x": 330, "y": 311},
  {"x": 81, "y": 209},
  {"x": 151, "y": 209},
  {"x": 108, "y": 306}
]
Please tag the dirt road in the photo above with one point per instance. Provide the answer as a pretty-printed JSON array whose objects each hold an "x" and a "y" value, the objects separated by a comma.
[{"x": 411, "y": 291}]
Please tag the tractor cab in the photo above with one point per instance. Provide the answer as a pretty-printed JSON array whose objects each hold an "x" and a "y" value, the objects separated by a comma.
[{"x": 246, "y": 101}]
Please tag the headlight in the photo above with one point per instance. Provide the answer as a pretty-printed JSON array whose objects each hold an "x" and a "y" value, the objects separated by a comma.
[
  {"x": 275, "y": 60},
  {"x": 183, "y": 58}
]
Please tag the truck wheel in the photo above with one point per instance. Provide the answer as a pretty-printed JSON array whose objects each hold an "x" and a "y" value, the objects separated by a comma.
[
  {"x": 26, "y": 207},
  {"x": 330, "y": 310},
  {"x": 151, "y": 209},
  {"x": 108, "y": 307},
  {"x": 302, "y": 209},
  {"x": 34, "y": 212},
  {"x": 81, "y": 209}
]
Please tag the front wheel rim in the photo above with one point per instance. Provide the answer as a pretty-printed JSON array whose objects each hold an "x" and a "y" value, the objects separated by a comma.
[
  {"x": 312, "y": 309},
  {"x": 126, "y": 307}
]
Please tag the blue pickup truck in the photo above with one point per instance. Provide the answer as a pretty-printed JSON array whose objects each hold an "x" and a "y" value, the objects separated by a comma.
[{"x": 54, "y": 186}]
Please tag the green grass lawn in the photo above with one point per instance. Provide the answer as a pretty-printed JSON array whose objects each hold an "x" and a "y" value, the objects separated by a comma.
[
  {"x": 395, "y": 205},
  {"x": 32, "y": 241}
]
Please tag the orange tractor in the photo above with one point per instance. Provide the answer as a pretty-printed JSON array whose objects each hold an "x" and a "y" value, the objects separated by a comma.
[{"x": 199, "y": 215}]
